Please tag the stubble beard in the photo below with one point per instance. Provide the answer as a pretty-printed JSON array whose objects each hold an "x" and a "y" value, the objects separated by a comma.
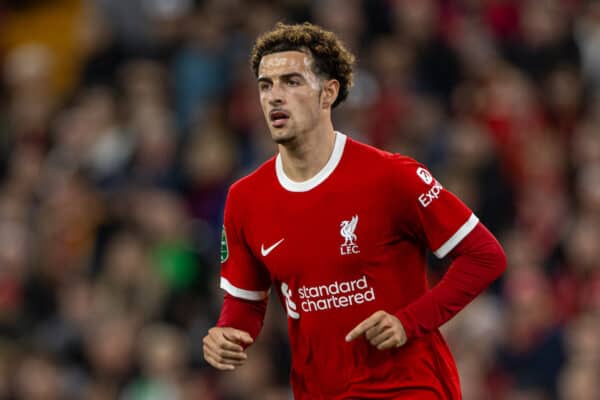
[{"x": 287, "y": 138}]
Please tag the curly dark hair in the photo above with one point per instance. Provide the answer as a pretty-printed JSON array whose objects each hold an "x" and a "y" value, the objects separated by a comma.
[{"x": 331, "y": 60}]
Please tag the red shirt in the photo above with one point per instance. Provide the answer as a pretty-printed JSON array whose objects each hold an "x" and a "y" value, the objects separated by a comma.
[{"x": 336, "y": 248}]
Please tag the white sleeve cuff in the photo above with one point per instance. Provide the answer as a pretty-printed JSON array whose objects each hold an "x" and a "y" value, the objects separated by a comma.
[
  {"x": 458, "y": 236},
  {"x": 254, "y": 295}
]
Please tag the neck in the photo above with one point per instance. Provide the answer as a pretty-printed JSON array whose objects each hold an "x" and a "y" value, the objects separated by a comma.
[{"x": 303, "y": 160}]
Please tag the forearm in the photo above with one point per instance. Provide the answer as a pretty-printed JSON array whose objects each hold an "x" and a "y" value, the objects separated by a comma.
[
  {"x": 242, "y": 314},
  {"x": 478, "y": 261}
]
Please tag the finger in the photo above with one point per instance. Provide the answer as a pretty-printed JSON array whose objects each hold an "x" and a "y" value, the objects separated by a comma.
[
  {"x": 381, "y": 337},
  {"x": 390, "y": 343},
  {"x": 230, "y": 355},
  {"x": 226, "y": 344},
  {"x": 217, "y": 364},
  {"x": 217, "y": 347},
  {"x": 217, "y": 341},
  {"x": 225, "y": 361},
  {"x": 216, "y": 356},
  {"x": 238, "y": 336},
  {"x": 362, "y": 327},
  {"x": 374, "y": 331}
]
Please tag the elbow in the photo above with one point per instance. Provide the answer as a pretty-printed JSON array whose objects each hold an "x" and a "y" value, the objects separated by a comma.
[{"x": 500, "y": 261}]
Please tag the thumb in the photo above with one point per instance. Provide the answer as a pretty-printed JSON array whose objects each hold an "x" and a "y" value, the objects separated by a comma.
[{"x": 238, "y": 336}]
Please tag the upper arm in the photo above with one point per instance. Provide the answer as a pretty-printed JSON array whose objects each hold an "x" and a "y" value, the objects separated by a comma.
[
  {"x": 242, "y": 276},
  {"x": 429, "y": 211}
]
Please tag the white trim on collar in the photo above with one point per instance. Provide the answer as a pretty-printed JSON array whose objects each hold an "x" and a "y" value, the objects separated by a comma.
[{"x": 305, "y": 186}]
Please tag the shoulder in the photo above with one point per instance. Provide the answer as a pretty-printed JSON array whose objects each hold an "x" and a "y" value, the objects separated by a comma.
[
  {"x": 259, "y": 179},
  {"x": 399, "y": 175},
  {"x": 374, "y": 157}
]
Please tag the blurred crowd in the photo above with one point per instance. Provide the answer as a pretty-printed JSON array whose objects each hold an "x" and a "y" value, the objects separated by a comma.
[{"x": 122, "y": 124}]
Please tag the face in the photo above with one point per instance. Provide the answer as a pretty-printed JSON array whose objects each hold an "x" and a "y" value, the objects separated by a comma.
[{"x": 290, "y": 95}]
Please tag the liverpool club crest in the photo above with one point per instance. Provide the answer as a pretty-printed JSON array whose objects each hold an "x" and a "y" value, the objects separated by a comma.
[{"x": 347, "y": 231}]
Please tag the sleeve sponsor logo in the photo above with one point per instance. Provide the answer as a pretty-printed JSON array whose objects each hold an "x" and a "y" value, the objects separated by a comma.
[
  {"x": 432, "y": 194},
  {"x": 424, "y": 175}
]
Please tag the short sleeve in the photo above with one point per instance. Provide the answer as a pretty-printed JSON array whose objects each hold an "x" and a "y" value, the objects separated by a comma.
[
  {"x": 242, "y": 276},
  {"x": 430, "y": 211}
]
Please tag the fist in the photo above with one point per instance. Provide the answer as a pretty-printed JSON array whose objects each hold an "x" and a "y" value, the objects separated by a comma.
[{"x": 223, "y": 347}]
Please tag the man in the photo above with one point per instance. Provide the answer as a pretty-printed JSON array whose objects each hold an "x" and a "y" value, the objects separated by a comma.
[{"x": 340, "y": 230}]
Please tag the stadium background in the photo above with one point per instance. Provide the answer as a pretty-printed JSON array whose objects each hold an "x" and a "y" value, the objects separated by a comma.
[{"x": 122, "y": 123}]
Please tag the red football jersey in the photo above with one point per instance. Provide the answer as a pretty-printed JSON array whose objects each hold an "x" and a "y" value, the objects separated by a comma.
[{"x": 336, "y": 248}]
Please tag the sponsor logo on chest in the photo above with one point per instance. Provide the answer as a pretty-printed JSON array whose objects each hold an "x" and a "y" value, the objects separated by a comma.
[
  {"x": 328, "y": 296},
  {"x": 334, "y": 295}
]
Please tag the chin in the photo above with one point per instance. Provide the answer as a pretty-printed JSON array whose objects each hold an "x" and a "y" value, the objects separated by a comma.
[{"x": 282, "y": 137}]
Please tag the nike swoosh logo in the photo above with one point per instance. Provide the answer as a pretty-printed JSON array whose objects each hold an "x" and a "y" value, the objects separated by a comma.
[{"x": 265, "y": 252}]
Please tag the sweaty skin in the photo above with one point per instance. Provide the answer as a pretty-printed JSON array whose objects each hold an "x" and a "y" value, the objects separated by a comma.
[
  {"x": 287, "y": 83},
  {"x": 277, "y": 63},
  {"x": 277, "y": 60},
  {"x": 312, "y": 79}
]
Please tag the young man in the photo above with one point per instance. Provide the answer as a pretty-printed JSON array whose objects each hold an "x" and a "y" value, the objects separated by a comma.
[{"x": 340, "y": 230}]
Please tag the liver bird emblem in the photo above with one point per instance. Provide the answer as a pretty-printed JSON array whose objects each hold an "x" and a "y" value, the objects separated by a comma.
[{"x": 347, "y": 230}]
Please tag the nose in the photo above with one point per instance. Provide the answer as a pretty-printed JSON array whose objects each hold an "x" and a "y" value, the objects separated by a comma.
[{"x": 276, "y": 96}]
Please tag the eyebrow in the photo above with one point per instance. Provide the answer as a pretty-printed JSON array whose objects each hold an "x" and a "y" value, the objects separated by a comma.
[{"x": 283, "y": 76}]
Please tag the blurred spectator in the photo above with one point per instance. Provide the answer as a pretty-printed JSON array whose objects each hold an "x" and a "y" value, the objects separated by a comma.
[
  {"x": 201, "y": 70},
  {"x": 530, "y": 359},
  {"x": 51, "y": 25},
  {"x": 38, "y": 378},
  {"x": 123, "y": 123},
  {"x": 162, "y": 358}
]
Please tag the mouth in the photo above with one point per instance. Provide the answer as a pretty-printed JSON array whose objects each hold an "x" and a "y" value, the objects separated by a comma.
[{"x": 278, "y": 118}]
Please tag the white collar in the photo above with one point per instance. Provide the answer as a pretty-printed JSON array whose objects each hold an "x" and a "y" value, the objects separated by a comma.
[{"x": 305, "y": 186}]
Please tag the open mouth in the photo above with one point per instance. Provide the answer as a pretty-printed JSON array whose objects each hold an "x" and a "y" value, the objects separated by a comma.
[{"x": 279, "y": 117}]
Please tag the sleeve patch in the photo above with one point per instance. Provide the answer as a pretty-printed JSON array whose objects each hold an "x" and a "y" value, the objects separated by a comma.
[{"x": 224, "y": 246}]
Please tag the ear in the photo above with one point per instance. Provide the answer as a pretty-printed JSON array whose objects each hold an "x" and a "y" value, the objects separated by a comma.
[{"x": 329, "y": 93}]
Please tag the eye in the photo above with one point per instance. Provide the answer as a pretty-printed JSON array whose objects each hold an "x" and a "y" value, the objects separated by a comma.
[
  {"x": 294, "y": 82},
  {"x": 263, "y": 86}
]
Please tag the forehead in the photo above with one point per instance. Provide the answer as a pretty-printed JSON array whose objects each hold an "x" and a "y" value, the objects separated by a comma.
[{"x": 283, "y": 63}]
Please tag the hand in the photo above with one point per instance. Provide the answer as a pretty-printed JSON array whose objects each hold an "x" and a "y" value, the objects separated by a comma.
[
  {"x": 223, "y": 347},
  {"x": 381, "y": 329}
]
